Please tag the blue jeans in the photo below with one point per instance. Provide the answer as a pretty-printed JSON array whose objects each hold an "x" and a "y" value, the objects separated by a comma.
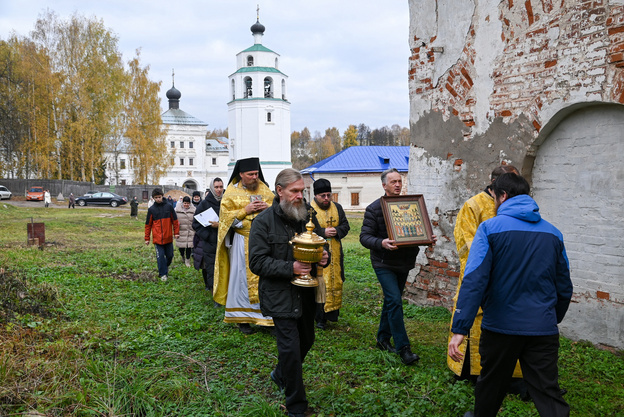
[
  {"x": 391, "y": 323},
  {"x": 164, "y": 256}
]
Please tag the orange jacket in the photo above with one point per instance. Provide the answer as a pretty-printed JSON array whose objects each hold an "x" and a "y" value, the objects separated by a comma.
[{"x": 162, "y": 223}]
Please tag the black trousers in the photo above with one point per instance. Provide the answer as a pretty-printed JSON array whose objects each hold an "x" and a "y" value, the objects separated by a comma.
[
  {"x": 185, "y": 253},
  {"x": 295, "y": 338},
  {"x": 538, "y": 357}
]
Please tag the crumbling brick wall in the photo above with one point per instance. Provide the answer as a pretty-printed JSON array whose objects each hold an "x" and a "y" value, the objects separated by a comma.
[{"x": 489, "y": 80}]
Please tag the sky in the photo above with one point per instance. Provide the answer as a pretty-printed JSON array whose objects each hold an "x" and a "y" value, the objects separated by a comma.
[{"x": 346, "y": 60}]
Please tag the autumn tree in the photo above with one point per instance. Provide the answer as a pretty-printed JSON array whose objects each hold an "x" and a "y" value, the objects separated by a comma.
[
  {"x": 145, "y": 133},
  {"x": 350, "y": 137},
  {"x": 217, "y": 133}
]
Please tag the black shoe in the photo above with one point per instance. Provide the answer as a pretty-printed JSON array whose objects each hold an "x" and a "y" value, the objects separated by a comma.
[
  {"x": 245, "y": 328},
  {"x": 407, "y": 357},
  {"x": 386, "y": 345},
  {"x": 321, "y": 325},
  {"x": 216, "y": 305},
  {"x": 469, "y": 414},
  {"x": 279, "y": 383}
]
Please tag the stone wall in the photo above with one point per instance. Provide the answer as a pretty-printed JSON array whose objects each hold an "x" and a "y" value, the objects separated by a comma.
[{"x": 489, "y": 81}]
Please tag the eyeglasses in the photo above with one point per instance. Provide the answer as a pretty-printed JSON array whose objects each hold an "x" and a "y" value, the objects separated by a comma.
[{"x": 324, "y": 196}]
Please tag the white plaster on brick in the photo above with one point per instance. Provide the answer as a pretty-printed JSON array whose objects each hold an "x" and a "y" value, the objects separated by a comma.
[{"x": 488, "y": 46}]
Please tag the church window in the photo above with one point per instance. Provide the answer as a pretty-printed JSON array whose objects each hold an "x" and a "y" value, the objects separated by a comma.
[
  {"x": 250, "y": 61},
  {"x": 276, "y": 63},
  {"x": 214, "y": 161},
  {"x": 233, "y": 90},
  {"x": 283, "y": 90},
  {"x": 355, "y": 199},
  {"x": 191, "y": 161},
  {"x": 122, "y": 164},
  {"x": 248, "y": 87},
  {"x": 269, "y": 117},
  {"x": 123, "y": 182},
  {"x": 335, "y": 197},
  {"x": 181, "y": 144},
  {"x": 191, "y": 145},
  {"x": 181, "y": 161},
  {"x": 172, "y": 144},
  {"x": 268, "y": 87}
]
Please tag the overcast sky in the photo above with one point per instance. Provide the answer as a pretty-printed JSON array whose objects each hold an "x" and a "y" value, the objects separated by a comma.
[{"x": 346, "y": 59}]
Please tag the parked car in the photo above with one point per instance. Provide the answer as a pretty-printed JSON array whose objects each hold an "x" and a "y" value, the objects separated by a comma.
[
  {"x": 35, "y": 194},
  {"x": 5, "y": 193},
  {"x": 101, "y": 199}
]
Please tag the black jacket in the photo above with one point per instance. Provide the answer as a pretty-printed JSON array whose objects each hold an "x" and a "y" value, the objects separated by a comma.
[
  {"x": 374, "y": 232},
  {"x": 271, "y": 258},
  {"x": 208, "y": 235}
]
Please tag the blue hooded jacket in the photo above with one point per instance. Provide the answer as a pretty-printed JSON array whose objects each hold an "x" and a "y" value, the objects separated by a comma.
[{"x": 518, "y": 272}]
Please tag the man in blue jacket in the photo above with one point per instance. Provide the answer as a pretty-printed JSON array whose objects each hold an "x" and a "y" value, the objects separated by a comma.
[{"x": 518, "y": 272}]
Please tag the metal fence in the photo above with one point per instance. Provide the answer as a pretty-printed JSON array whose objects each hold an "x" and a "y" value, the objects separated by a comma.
[{"x": 19, "y": 187}]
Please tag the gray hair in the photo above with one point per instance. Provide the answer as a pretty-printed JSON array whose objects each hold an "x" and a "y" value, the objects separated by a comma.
[
  {"x": 286, "y": 177},
  {"x": 385, "y": 174}
]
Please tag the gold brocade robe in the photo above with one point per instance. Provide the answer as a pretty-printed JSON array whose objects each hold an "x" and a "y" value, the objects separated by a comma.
[
  {"x": 331, "y": 292},
  {"x": 475, "y": 211},
  {"x": 233, "y": 203}
]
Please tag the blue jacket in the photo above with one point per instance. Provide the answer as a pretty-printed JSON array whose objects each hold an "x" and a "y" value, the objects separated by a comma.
[{"x": 518, "y": 272}]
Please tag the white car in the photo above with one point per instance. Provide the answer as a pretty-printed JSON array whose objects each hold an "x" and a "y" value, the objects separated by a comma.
[{"x": 5, "y": 193}]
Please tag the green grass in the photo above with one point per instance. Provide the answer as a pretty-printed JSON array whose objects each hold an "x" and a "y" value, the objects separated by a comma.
[{"x": 87, "y": 329}]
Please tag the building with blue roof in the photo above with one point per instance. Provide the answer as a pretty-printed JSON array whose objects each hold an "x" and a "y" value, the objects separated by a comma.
[{"x": 355, "y": 173}]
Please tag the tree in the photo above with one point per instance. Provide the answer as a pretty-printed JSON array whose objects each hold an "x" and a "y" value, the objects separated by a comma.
[
  {"x": 364, "y": 134},
  {"x": 350, "y": 137},
  {"x": 217, "y": 133},
  {"x": 147, "y": 137},
  {"x": 334, "y": 135}
]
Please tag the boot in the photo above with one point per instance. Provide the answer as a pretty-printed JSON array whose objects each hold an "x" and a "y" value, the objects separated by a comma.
[{"x": 407, "y": 357}]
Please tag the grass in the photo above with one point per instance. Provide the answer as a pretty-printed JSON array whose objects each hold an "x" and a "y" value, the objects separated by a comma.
[{"x": 87, "y": 329}]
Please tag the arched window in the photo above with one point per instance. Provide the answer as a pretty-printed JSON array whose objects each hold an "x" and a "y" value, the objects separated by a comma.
[
  {"x": 268, "y": 117},
  {"x": 276, "y": 63},
  {"x": 283, "y": 89},
  {"x": 233, "y": 90},
  {"x": 248, "y": 87},
  {"x": 250, "y": 61},
  {"x": 268, "y": 87}
]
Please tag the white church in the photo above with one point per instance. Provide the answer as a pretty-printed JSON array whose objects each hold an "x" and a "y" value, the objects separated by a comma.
[{"x": 258, "y": 126}]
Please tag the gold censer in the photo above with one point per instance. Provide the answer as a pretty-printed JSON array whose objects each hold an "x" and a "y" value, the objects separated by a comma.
[{"x": 308, "y": 248}]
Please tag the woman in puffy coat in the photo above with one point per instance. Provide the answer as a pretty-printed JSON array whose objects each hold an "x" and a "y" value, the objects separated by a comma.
[{"x": 185, "y": 213}]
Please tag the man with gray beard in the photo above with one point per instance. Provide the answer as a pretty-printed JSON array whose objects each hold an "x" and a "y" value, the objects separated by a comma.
[{"x": 292, "y": 307}]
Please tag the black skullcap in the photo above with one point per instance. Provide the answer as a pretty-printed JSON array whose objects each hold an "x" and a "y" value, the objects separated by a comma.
[
  {"x": 322, "y": 186},
  {"x": 196, "y": 193}
]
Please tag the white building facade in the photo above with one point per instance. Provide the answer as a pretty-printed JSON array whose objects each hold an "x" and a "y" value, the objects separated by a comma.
[{"x": 259, "y": 112}]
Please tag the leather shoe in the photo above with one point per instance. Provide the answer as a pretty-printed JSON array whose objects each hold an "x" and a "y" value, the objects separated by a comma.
[
  {"x": 321, "y": 325},
  {"x": 407, "y": 356},
  {"x": 386, "y": 345},
  {"x": 245, "y": 328},
  {"x": 279, "y": 383}
]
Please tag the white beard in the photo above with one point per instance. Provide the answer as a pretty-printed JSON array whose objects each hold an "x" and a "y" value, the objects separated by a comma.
[{"x": 297, "y": 213}]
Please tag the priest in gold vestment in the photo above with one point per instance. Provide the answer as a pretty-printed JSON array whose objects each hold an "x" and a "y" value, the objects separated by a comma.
[
  {"x": 331, "y": 223},
  {"x": 235, "y": 285},
  {"x": 475, "y": 211}
]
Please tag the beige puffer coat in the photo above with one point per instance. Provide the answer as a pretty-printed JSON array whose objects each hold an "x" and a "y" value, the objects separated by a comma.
[{"x": 185, "y": 217}]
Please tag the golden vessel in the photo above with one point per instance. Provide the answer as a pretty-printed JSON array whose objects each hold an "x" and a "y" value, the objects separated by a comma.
[{"x": 308, "y": 248}]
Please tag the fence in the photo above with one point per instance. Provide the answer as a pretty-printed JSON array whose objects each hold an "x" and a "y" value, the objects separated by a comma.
[{"x": 19, "y": 187}]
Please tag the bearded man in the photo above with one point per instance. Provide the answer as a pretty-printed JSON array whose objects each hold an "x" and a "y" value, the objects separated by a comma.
[
  {"x": 235, "y": 285},
  {"x": 292, "y": 307},
  {"x": 332, "y": 224}
]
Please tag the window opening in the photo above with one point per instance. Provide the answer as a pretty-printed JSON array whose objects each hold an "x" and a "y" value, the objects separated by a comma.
[{"x": 248, "y": 87}]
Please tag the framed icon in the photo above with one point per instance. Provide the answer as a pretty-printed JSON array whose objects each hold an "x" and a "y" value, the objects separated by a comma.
[{"x": 407, "y": 220}]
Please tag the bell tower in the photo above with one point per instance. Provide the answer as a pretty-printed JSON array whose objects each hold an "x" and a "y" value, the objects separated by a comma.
[{"x": 258, "y": 110}]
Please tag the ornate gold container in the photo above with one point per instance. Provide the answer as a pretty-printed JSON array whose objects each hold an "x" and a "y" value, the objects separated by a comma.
[{"x": 308, "y": 248}]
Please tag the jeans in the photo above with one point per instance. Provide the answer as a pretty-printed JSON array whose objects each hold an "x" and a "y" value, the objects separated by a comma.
[
  {"x": 164, "y": 256},
  {"x": 391, "y": 323}
]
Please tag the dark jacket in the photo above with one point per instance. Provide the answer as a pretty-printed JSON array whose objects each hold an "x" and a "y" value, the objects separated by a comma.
[
  {"x": 206, "y": 235},
  {"x": 162, "y": 223},
  {"x": 374, "y": 232},
  {"x": 517, "y": 271},
  {"x": 271, "y": 258},
  {"x": 341, "y": 231}
]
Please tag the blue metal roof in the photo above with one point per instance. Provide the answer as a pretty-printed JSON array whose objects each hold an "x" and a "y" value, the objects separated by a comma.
[{"x": 363, "y": 159}]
